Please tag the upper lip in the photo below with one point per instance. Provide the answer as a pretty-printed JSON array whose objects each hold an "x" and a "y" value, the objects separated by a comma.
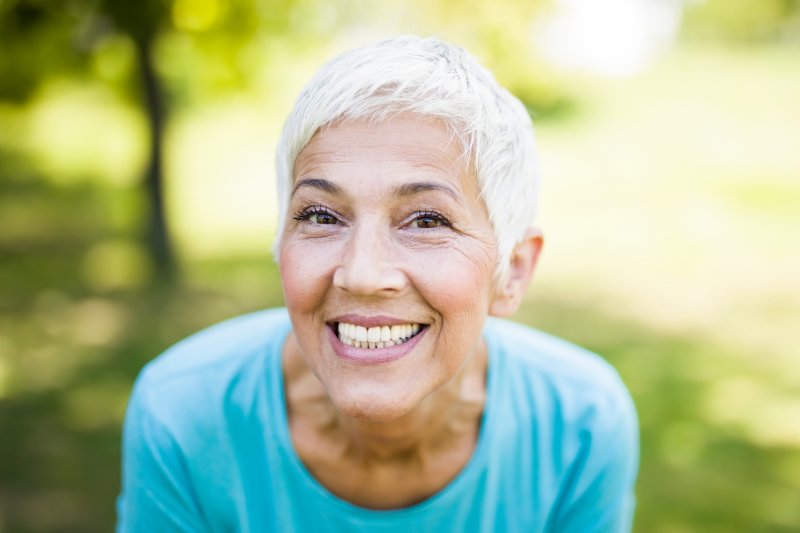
[{"x": 372, "y": 321}]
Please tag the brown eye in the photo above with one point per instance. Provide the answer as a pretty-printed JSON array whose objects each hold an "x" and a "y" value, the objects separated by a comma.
[{"x": 429, "y": 220}]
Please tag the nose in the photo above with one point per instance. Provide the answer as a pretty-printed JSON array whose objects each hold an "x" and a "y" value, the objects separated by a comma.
[{"x": 368, "y": 266}]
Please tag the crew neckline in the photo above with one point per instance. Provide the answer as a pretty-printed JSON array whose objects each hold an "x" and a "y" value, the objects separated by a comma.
[{"x": 472, "y": 469}]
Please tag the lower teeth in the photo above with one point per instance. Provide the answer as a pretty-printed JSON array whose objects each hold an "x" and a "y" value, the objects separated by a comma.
[{"x": 366, "y": 344}]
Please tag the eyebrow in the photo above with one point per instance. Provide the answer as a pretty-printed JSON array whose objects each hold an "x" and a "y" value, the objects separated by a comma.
[
  {"x": 406, "y": 189},
  {"x": 319, "y": 183},
  {"x": 409, "y": 189}
]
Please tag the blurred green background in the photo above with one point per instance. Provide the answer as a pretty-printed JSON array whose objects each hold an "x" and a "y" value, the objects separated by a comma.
[{"x": 670, "y": 144}]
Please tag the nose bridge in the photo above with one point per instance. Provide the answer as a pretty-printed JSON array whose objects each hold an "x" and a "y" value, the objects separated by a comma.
[{"x": 367, "y": 263}]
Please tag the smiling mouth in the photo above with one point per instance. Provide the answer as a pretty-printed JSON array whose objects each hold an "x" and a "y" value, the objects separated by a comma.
[{"x": 378, "y": 336}]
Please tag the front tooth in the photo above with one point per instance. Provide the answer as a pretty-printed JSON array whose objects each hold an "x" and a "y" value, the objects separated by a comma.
[
  {"x": 379, "y": 344},
  {"x": 395, "y": 332},
  {"x": 387, "y": 335},
  {"x": 374, "y": 334}
]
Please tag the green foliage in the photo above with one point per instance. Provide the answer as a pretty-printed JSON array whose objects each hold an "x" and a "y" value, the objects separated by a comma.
[{"x": 36, "y": 39}]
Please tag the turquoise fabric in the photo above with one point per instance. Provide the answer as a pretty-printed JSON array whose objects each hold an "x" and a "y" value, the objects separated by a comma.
[{"x": 206, "y": 444}]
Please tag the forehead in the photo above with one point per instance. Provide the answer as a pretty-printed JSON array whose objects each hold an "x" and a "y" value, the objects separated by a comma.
[{"x": 403, "y": 147}]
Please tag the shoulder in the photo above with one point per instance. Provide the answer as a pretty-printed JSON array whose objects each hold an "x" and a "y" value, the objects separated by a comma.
[
  {"x": 570, "y": 408},
  {"x": 192, "y": 410},
  {"x": 223, "y": 344},
  {"x": 559, "y": 378},
  {"x": 223, "y": 362}
]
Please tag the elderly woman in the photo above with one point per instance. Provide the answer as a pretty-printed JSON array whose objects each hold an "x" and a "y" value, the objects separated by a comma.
[{"x": 383, "y": 398}]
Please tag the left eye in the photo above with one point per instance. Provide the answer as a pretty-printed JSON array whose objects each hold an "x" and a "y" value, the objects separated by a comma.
[{"x": 428, "y": 221}]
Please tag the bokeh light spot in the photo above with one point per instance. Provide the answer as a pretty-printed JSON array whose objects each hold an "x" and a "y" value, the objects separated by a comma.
[
  {"x": 85, "y": 133},
  {"x": 98, "y": 322},
  {"x": 195, "y": 15},
  {"x": 117, "y": 264}
]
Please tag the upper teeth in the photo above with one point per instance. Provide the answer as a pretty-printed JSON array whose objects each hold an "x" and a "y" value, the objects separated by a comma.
[{"x": 376, "y": 337}]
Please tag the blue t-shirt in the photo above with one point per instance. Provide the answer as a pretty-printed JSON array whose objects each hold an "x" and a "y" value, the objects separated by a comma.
[{"x": 207, "y": 447}]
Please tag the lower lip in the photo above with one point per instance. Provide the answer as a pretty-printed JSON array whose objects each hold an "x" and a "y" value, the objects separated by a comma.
[{"x": 372, "y": 356}]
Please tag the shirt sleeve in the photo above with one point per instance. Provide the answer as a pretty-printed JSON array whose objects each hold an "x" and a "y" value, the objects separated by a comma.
[
  {"x": 598, "y": 495},
  {"x": 156, "y": 491}
]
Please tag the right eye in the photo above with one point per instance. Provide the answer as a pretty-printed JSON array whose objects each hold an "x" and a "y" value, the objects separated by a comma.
[
  {"x": 317, "y": 215},
  {"x": 322, "y": 218}
]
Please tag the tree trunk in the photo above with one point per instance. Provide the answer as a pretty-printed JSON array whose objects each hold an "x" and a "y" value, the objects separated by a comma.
[{"x": 158, "y": 234}]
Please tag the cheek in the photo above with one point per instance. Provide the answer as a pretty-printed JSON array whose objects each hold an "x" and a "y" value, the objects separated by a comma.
[
  {"x": 458, "y": 279},
  {"x": 458, "y": 287},
  {"x": 454, "y": 291},
  {"x": 304, "y": 276}
]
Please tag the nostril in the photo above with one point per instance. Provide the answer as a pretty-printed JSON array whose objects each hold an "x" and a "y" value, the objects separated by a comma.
[{"x": 371, "y": 279}]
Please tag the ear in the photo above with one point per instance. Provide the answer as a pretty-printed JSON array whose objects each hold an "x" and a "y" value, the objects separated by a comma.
[{"x": 520, "y": 271}]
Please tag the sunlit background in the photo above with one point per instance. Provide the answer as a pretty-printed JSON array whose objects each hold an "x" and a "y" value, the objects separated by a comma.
[{"x": 669, "y": 134}]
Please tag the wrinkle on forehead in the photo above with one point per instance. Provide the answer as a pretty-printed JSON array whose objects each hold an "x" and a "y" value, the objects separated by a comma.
[{"x": 431, "y": 155}]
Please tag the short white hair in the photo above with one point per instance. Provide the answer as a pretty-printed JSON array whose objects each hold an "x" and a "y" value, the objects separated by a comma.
[{"x": 431, "y": 78}]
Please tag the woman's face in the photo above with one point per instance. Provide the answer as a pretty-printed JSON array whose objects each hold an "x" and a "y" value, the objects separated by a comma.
[{"x": 387, "y": 263}]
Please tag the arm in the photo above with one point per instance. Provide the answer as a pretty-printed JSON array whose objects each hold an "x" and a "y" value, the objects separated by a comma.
[
  {"x": 597, "y": 495},
  {"x": 156, "y": 493}
]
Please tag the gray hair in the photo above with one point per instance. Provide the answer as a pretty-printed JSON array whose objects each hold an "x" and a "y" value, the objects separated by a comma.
[{"x": 431, "y": 78}]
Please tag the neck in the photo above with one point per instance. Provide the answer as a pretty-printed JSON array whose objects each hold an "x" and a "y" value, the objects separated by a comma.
[{"x": 450, "y": 414}]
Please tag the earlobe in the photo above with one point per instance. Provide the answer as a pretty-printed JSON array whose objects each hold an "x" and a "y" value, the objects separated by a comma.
[{"x": 522, "y": 264}]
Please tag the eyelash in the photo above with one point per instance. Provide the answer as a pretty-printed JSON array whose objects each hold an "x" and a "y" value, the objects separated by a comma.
[{"x": 306, "y": 214}]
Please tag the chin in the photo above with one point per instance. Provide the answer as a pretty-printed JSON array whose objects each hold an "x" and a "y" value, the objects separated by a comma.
[{"x": 373, "y": 406}]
